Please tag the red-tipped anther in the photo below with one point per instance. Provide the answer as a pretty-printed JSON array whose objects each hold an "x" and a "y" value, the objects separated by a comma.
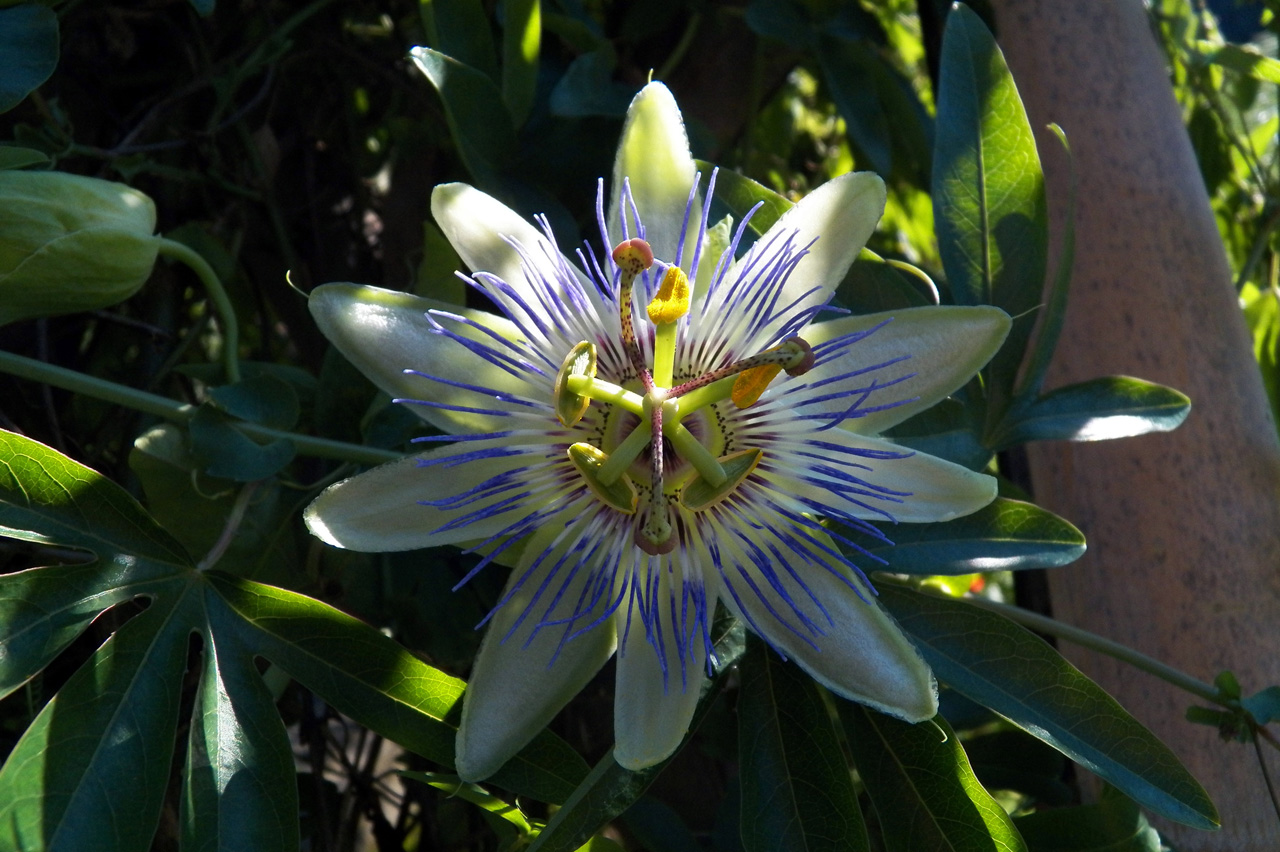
[
  {"x": 633, "y": 256},
  {"x": 806, "y": 361}
]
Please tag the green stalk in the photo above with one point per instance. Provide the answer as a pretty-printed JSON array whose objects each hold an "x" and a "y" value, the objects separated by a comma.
[
  {"x": 218, "y": 295},
  {"x": 176, "y": 412},
  {"x": 1085, "y": 639}
]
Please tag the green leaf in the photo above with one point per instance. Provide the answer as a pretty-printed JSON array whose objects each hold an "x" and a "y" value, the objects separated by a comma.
[
  {"x": 1115, "y": 824},
  {"x": 29, "y": 45},
  {"x": 1264, "y": 706},
  {"x": 998, "y": 664},
  {"x": 609, "y": 789},
  {"x": 1262, "y": 313},
  {"x": 13, "y": 157},
  {"x": 461, "y": 29},
  {"x": 478, "y": 119},
  {"x": 241, "y": 791},
  {"x": 1096, "y": 410},
  {"x": 221, "y": 450},
  {"x": 263, "y": 399},
  {"x": 1241, "y": 58},
  {"x": 922, "y": 786},
  {"x": 521, "y": 42},
  {"x": 871, "y": 285},
  {"x": 988, "y": 188},
  {"x": 1012, "y": 759},
  {"x": 740, "y": 194},
  {"x": 513, "y": 828},
  {"x": 588, "y": 88},
  {"x": 375, "y": 681},
  {"x": 91, "y": 770},
  {"x": 848, "y": 68},
  {"x": 1007, "y": 535},
  {"x": 797, "y": 792}
]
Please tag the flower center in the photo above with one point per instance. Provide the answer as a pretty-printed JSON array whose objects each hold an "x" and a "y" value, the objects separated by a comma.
[{"x": 664, "y": 437}]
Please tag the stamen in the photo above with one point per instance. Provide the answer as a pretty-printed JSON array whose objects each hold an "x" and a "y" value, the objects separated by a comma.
[
  {"x": 620, "y": 493},
  {"x": 670, "y": 303},
  {"x": 581, "y": 361},
  {"x": 633, "y": 257},
  {"x": 750, "y": 376},
  {"x": 702, "y": 494}
]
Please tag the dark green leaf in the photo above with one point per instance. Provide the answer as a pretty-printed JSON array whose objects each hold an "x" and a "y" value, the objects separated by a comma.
[
  {"x": 848, "y": 68},
  {"x": 871, "y": 285},
  {"x": 91, "y": 771},
  {"x": 29, "y": 45},
  {"x": 1012, "y": 759},
  {"x": 240, "y": 791},
  {"x": 797, "y": 793},
  {"x": 923, "y": 789},
  {"x": 588, "y": 87},
  {"x": 609, "y": 789},
  {"x": 740, "y": 194},
  {"x": 461, "y": 29},
  {"x": 375, "y": 681},
  {"x": 1007, "y": 535},
  {"x": 1113, "y": 825},
  {"x": 1264, "y": 706},
  {"x": 521, "y": 43},
  {"x": 477, "y": 115},
  {"x": 1001, "y": 665},
  {"x": 1096, "y": 410},
  {"x": 262, "y": 399},
  {"x": 13, "y": 157},
  {"x": 988, "y": 188},
  {"x": 655, "y": 825},
  {"x": 221, "y": 450}
]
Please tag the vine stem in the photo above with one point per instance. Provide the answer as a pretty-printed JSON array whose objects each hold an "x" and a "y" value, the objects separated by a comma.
[
  {"x": 218, "y": 294},
  {"x": 176, "y": 412},
  {"x": 1085, "y": 639}
]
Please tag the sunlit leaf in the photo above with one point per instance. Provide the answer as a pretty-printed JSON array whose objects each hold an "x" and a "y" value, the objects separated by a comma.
[
  {"x": 1001, "y": 665},
  {"x": 988, "y": 187},
  {"x": 1097, "y": 410},
  {"x": 923, "y": 788},
  {"x": 1007, "y": 535},
  {"x": 477, "y": 116}
]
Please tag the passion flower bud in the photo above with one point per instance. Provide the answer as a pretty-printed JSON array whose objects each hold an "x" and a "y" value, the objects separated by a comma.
[{"x": 71, "y": 243}]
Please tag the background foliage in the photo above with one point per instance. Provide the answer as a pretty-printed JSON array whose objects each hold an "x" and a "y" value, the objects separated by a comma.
[{"x": 211, "y": 681}]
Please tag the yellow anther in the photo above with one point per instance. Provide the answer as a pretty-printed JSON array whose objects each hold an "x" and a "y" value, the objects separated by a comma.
[
  {"x": 581, "y": 361},
  {"x": 633, "y": 256},
  {"x": 751, "y": 383},
  {"x": 672, "y": 300},
  {"x": 619, "y": 494}
]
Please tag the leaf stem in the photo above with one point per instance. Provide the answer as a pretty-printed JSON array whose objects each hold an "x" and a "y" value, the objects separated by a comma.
[
  {"x": 176, "y": 412},
  {"x": 218, "y": 294},
  {"x": 1085, "y": 639}
]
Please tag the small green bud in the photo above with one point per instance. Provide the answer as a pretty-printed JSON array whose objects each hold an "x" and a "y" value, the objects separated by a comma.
[{"x": 70, "y": 243}]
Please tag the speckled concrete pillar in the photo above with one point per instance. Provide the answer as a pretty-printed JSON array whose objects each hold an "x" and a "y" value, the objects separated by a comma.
[{"x": 1183, "y": 528}]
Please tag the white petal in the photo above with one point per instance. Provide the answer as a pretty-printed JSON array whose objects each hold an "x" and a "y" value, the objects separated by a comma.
[
  {"x": 919, "y": 488},
  {"x": 943, "y": 346},
  {"x": 516, "y": 689},
  {"x": 653, "y": 709},
  {"x": 840, "y": 215},
  {"x": 478, "y": 226},
  {"x": 379, "y": 510},
  {"x": 385, "y": 332},
  {"x": 654, "y": 153},
  {"x": 860, "y": 653}
]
